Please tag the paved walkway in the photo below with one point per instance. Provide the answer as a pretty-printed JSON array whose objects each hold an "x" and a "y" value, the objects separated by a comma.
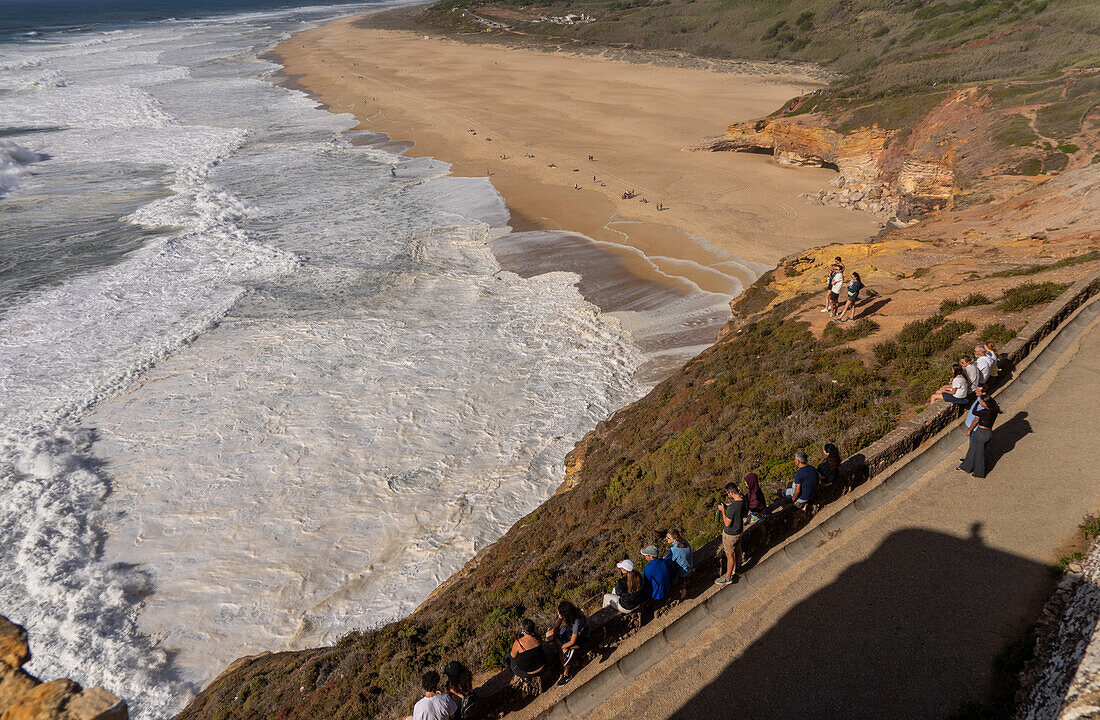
[{"x": 904, "y": 614}]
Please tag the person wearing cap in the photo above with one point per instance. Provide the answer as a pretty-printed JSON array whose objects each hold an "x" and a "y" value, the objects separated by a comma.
[
  {"x": 629, "y": 592},
  {"x": 655, "y": 572}
]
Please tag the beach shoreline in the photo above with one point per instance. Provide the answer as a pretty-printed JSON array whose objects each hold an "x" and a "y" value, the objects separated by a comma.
[{"x": 562, "y": 136}]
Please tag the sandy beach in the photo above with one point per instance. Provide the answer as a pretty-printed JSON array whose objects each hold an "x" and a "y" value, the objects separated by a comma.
[{"x": 529, "y": 121}]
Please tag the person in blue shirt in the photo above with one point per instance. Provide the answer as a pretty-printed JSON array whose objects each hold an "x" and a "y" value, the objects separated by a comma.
[
  {"x": 805, "y": 480},
  {"x": 678, "y": 558},
  {"x": 655, "y": 572}
]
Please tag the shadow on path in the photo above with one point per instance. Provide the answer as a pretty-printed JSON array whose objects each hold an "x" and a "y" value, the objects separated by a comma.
[
  {"x": 1005, "y": 437},
  {"x": 913, "y": 631}
]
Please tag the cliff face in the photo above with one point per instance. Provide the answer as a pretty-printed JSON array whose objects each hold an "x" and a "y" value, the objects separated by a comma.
[
  {"x": 901, "y": 158},
  {"x": 25, "y": 697}
]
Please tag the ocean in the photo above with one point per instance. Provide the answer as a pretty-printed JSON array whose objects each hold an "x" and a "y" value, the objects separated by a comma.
[{"x": 264, "y": 379}]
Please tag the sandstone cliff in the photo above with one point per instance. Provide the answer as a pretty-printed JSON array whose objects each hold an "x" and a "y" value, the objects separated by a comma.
[{"x": 25, "y": 697}]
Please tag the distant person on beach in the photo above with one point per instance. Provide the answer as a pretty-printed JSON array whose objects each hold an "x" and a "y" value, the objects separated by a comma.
[
  {"x": 527, "y": 659},
  {"x": 655, "y": 572},
  {"x": 854, "y": 286},
  {"x": 980, "y": 432},
  {"x": 805, "y": 482},
  {"x": 956, "y": 391},
  {"x": 629, "y": 592},
  {"x": 679, "y": 557},
  {"x": 434, "y": 705},
  {"x": 733, "y": 524},
  {"x": 754, "y": 498},
  {"x": 569, "y": 634},
  {"x": 393, "y": 171}
]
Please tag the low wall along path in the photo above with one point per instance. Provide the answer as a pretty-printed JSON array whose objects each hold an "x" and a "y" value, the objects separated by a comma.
[{"x": 882, "y": 472}]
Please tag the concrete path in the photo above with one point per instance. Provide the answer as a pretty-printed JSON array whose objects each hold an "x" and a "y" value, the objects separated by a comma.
[{"x": 904, "y": 614}]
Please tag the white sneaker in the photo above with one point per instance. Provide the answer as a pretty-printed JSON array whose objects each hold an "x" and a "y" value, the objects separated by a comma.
[{"x": 824, "y": 309}]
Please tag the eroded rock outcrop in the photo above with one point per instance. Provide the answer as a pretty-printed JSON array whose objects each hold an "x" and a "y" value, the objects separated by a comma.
[
  {"x": 895, "y": 174},
  {"x": 25, "y": 697}
]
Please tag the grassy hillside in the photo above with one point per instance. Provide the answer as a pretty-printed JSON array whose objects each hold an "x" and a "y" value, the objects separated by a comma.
[{"x": 880, "y": 46}]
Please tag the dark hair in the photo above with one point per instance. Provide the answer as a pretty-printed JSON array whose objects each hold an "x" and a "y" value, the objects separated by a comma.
[
  {"x": 832, "y": 454},
  {"x": 967, "y": 358},
  {"x": 569, "y": 612},
  {"x": 731, "y": 487},
  {"x": 430, "y": 681},
  {"x": 529, "y": 627},
  {"x": 459, "y": 677},
  {"x": 837, "y": 258},
  {"x": 857, "y": 277},
  {"x": 676, "y": 536},
  {"x": 633, "y": 582},
  {"x": 957, "y": 370}
]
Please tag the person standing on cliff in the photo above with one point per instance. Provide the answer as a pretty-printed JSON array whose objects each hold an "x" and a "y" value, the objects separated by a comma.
[
  {"x": 733, "y": 523},
  {"x": 831, "y": 282}
]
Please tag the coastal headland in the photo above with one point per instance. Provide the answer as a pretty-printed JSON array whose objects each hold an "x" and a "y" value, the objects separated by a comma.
[{"x": 990, "y": 185}]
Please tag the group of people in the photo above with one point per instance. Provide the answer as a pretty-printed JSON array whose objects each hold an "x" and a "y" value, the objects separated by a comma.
[
  {"x": 531, "y": 655},
  {"x": 834, "y": 280},
  {"x": 970, "y": 380}
]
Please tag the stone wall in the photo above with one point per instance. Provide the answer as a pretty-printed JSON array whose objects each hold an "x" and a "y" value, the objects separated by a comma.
[{"x": 25, "y": 697}]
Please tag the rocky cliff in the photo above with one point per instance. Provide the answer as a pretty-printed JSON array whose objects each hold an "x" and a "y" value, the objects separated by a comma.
[
  {"x": 902, "y": 158},
  {"x": 25, "y": 697}
]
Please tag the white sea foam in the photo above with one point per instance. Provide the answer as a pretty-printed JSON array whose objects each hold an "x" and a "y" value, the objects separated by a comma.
[
  {"x": 303, "y": 401},
  {"x": 15, "y": 162}
]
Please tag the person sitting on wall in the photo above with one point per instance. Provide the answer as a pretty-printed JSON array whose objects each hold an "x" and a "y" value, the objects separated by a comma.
[
  {"x": 629, "y": 593},
  {"x": 655, "y": 572},
  {"x": 973, "y": 375},
  {"x": 733, "y": 524},
  {"x": 984, "y": 363},
  {"x": 805, "y": 481},
  {"x": 754, "y": 498},
  {"x": 679, "y": 557},
  {"x": 434, "y": 705},
  {"x": 569, "y": 634},
  {"x": 955, "y": 392},
  {"x": 527, "y": 659},
  {"x": 829, "y": 469}
]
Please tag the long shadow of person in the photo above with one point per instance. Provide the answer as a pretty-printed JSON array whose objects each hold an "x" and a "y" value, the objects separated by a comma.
[
  {"x": 871, "y": 309},
  {"x": 1005, "y": 437}
]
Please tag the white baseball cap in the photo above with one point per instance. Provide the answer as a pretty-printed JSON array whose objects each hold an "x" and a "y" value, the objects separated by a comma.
[{"x": 627, "y": 565}]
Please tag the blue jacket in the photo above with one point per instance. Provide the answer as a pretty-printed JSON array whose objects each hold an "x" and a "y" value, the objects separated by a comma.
[
  {"x": 679, "y": 560},
  {"x": 656, "y": 572}
]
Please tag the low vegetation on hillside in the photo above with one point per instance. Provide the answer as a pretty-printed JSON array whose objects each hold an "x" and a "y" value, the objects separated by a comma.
[{"x": 880, "y": 46}]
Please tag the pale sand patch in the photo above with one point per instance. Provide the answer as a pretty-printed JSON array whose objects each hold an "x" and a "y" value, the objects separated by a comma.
[{"x": 636, "y": 120}]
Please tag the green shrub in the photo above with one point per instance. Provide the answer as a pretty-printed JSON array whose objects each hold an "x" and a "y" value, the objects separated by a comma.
[
  {"x": 885, "y": 351},
  {"x": 1064, "y": 262},
  {"x": 949, "y": 306},
  {"x": 839, "y": 333},
  {"x": 1029, "y": 295},
  {"x": 997, "y": 333},
  {"x": 1068, "y": 148}
]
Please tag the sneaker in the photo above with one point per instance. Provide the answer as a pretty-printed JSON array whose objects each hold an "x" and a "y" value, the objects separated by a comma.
[
  {"x": 562, "y": 680},
  {"x": 570, "y": 654},
  {"x": 824, "y": 309},
  {"x": 722, "y": 580}
]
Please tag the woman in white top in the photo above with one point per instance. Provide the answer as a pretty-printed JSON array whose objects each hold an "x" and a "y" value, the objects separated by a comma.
[{"x": 956, "y": 391}]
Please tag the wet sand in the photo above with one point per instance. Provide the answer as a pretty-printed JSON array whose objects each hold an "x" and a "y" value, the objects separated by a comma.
[{"x": 529, "y": 122}]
